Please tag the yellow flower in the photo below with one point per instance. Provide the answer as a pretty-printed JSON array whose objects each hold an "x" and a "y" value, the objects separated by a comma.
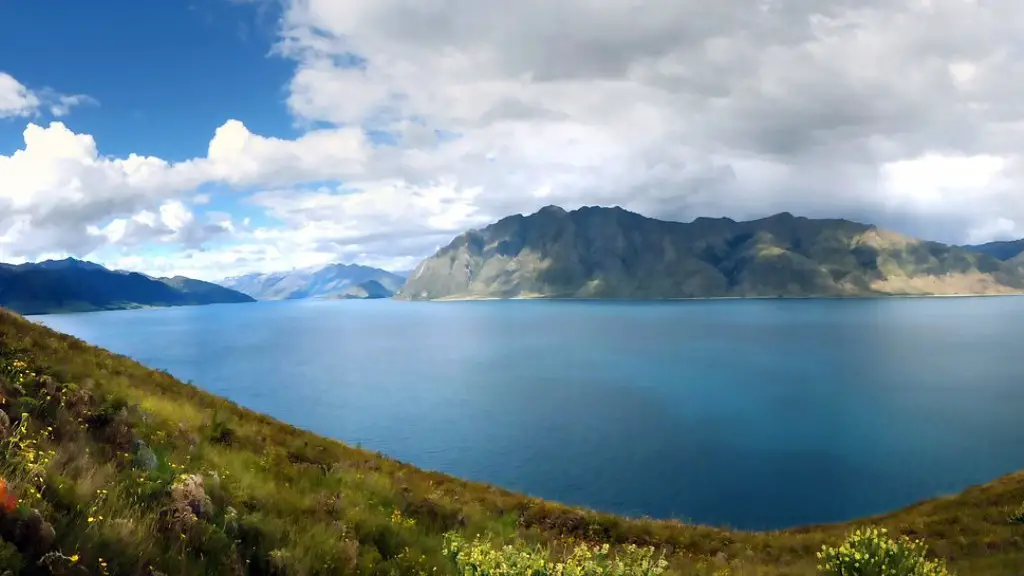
[{"x": 74, "y": 557}]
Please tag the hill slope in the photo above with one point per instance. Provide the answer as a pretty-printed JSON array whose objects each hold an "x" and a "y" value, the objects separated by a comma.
[
  {"x": 205, "y": 291},
  {"x": 330, "y": 280},
  {"x": 1003, "y": 250},
  {"x": 75, "y": 286},
  {"x": 115, "y": 468},
  {"x": 612, "y": 253},
  {"x": 369, "y": 290}
]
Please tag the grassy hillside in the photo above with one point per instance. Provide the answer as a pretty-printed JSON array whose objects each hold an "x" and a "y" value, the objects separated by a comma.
[
  {"x": 597, "y": 252},
  {"x": 113, "y": 468}
]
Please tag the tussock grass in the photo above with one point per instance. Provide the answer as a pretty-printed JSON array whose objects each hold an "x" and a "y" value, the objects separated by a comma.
[{"x": 121, "y": 469}]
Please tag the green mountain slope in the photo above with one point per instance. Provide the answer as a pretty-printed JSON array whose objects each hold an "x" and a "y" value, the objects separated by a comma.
[
  {"x": 1003, "y": 250},
  {"x": 75, "y": 286},
  {"x": 111, "y": 468},
  {"x": 612, "y": 253},
  {"x": 369, "y": 290}
]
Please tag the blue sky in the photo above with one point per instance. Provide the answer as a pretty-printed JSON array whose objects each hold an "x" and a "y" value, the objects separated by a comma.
[
  {"x": 165, "y": 73},
  {"x": 229, "y": 136}
]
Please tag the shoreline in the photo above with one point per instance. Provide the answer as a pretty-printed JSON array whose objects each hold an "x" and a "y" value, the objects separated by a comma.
[{"x": 705, "y": 298}]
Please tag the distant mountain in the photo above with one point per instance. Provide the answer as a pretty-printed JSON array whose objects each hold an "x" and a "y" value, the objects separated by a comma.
[
  {"x": 205, "y": 290},
  {"x": 76, "y": 286},
  {"x": 369, "y": 290},
  {"x": 1005, "y": 250},
  {"x": 330, "y": 280},
  {"x": 598, "y": 252}
]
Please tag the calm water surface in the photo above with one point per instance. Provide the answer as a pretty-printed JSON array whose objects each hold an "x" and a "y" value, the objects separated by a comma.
[{"x": 754, "y": 414}]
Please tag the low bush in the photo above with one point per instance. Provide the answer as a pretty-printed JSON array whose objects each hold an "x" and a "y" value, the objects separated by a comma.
[{"x": 871, "y": 552}]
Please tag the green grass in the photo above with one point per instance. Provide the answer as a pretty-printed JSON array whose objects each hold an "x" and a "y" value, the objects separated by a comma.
[{"x": 110, "y": 455}]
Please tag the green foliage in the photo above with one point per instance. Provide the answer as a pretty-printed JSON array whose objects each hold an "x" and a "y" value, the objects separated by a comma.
[
  {"x": 1017, "y": 516},
  {"x": 221, "y": 431},
  {"x": 480, "y": 558},
  {"x": 10, "y": 559},
  {"x": 871, "y": 552}
]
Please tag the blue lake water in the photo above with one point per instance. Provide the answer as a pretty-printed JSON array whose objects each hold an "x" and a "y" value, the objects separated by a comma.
[{"x": 754, "y": 414}]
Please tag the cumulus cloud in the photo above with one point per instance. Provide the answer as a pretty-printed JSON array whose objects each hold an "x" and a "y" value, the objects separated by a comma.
[
  {"x": 898, "y": 112},
  {"x": 58, "y": 193},
  {"x": 17, "y": 100},
  {"x": 684, "y": 108}
]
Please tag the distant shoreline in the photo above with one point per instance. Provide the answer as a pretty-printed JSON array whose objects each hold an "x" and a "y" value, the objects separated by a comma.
[{"x": 695, "y": 298}]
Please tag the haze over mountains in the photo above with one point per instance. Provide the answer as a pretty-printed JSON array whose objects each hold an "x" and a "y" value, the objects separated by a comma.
[
  {"x": 592, "y": 252},
  {"x": 596, "y": 252},
  {"x": 71, "y": 285},
  {"x": 333, "y": 280}
]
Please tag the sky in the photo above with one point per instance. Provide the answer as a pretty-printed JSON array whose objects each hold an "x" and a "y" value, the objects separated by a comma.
[{"x": 222, "y": 137}]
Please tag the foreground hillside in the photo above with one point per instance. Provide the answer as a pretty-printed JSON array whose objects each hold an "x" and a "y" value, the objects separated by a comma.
[
  {"x": 112, "y": 468},
  {"x": 331, "y": 281},
  {"x": 75, "y": 286},
  {"x": 598, "y": 252}
]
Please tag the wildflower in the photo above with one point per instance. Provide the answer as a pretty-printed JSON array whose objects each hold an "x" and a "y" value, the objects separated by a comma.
[
  {"x": 74, "y": 558},
  {"x": 7, "y": 500}
]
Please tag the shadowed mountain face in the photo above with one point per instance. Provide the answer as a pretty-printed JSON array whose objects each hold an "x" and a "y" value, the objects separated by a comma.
[
  {"x": 369, "y": 290},
  {"x": 612, "y": 253},
  {"x": 75, "y": 286},
  {"x": 331, "y": 280},
  {"x": 1007, "y": 250}
]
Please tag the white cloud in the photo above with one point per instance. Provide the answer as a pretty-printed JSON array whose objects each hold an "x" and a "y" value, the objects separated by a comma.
[
  {"x": 899, "y": 112},
  {"x": 62, "y": 104},
  {"x": 18, "y": 100},
  {"x": 58, "y": 193},
  {"x": 872, "y": 110},
  {"x": 15, "y": 98}
]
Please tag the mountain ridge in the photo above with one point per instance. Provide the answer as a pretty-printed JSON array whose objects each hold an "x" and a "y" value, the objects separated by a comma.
[
  {"x": 313, "y": 282},
  {"x": 1000, "y": 250},
  {"x": 72, "y": 285},
  {"x": 610, "y": 252}
]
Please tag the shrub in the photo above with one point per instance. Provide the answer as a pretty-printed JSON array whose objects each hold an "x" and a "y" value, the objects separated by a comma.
[
  {"x": 871, "y": 552},
  {"x": 481, "y": 559},
  {"x": 221, "y": 431},
  {"x": 10, "y": 559},
  {"x": 1017, "y": 516}
]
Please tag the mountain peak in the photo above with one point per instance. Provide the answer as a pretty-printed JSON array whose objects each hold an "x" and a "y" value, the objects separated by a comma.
[
  {"x": 66, "y": 263},
  {"x": 552, "y": 209},
  {"x": 609, "y": 252}
]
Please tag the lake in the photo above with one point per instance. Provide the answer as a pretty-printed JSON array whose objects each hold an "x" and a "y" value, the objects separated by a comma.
[{"x": 755, "y": 414}]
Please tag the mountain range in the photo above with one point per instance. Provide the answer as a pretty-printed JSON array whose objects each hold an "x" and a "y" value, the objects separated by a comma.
[
  {"x": 592, "y": 252},
  {"x": 597, "y": 252},
  {"x": 333, "y": 280},
  {"x": 72, "y": 285},
  {"x": 1002, "y": 250}
]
